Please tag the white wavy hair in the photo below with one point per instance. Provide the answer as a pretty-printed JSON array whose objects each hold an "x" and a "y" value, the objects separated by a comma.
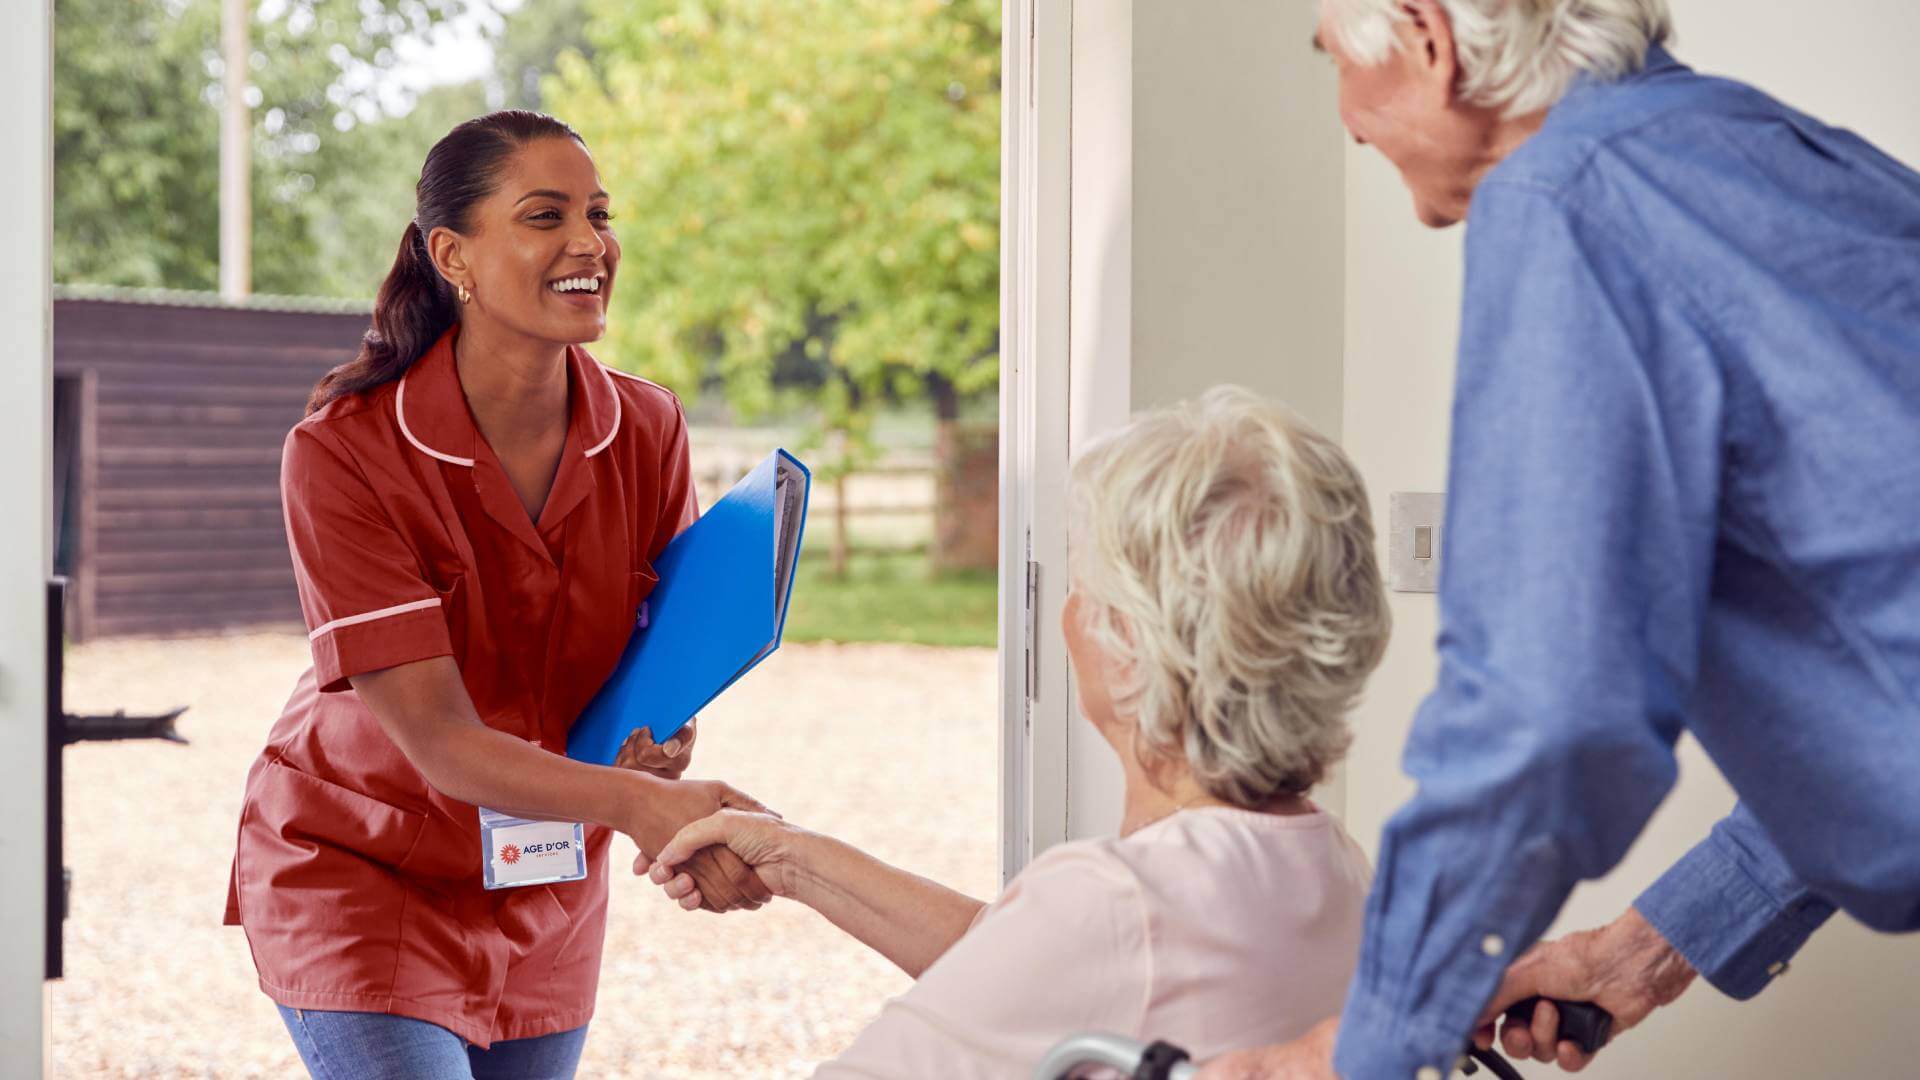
[
  {"x": 1223, "y": 553},
  {"x": 1518, "y": 56}
]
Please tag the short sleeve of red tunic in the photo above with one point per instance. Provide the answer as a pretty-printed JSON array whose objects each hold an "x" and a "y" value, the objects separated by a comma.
[{"x": 367, "y": 604}]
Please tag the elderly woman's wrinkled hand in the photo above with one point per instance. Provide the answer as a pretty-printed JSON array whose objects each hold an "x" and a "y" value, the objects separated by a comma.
[
  {"x": 667, "y": 760},
  {"x": 763, "y": 842}
]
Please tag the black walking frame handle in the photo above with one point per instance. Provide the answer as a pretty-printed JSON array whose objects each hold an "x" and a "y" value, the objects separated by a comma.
[{"x": 1584, "y": 1024}]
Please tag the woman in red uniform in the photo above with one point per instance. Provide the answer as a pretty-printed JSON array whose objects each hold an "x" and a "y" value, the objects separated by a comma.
[{"x": 472, "y": 504}]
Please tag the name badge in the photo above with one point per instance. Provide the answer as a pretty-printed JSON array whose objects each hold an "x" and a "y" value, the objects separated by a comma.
[{"x": 520, "y": 851}]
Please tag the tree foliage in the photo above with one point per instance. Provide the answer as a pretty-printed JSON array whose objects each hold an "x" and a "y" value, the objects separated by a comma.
[
  {"x": 137, "y": 93},
  {"x": 799, "y": 183},
  {"x": 808, "y": 192},
  {"x": 529, "y": 40}
]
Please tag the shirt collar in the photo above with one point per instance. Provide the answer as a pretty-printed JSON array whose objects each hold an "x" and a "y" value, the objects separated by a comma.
[
  {"x": 1658, "y": 62},
  {"x": 431, "y": 406}
]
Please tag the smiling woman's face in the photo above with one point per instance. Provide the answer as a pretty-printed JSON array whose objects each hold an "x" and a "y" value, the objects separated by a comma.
[{"x": 541, "y": 257}]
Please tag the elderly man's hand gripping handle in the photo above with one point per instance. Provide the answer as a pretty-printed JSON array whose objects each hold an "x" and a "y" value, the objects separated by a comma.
[{"x": 1625, "y": 967}]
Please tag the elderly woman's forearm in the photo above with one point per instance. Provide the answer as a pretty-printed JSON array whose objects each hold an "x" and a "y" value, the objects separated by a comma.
[{"x": 902, "y": 916}]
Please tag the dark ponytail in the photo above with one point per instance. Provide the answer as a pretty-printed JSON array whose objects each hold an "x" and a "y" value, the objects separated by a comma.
[{"x": 416, "y": 305}]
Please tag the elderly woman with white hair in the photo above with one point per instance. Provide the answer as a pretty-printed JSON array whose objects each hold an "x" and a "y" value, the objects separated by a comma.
[
  {"x": 1225, "y": 610},
  {"x": 1682, "y": 497}
]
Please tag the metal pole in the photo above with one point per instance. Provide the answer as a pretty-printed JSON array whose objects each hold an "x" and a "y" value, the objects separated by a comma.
[{"x": 236, "y": 156}]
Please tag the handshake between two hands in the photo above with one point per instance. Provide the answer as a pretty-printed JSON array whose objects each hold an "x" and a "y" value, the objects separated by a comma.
[
  {"x": 722, "y": 841},
  {"x": 718, "y": 849}
]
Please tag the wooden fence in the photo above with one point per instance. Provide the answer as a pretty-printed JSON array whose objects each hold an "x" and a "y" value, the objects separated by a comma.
[{"x": 890, "y": 507}]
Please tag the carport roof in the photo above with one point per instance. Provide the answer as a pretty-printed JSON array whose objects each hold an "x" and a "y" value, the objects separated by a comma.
[{"x": 317, "y": 305}]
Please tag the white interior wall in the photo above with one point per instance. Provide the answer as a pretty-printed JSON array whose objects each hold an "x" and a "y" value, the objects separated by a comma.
[
  {"x": 1100, "y": 322},
  {"x": 1207, "y": 246},
  {"x": 1237, "y": 192},
  {"x": 26, "y": 395},
  {"x": 1842, "y": 1009},
  {"x": 1266, "y": 250}
]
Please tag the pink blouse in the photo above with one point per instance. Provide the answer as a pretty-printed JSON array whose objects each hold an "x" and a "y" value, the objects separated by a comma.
[{"x": 1216, "y": 929}]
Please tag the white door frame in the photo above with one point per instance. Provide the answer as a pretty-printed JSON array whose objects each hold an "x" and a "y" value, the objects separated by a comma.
[
  {"x": 1066, "y": 286},
  {"x": 1035, "y": 171},
  {"x": 26, "y": 404}
]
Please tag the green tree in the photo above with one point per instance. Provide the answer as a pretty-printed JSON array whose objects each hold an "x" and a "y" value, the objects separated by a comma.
[
  {"x": 367, "y": 199},
  {"x": 136, "y": 143},
  {"x": 137, "y": 91},
  {"x": 797, "y": 180},
  {"x": 529, "y": 41}
]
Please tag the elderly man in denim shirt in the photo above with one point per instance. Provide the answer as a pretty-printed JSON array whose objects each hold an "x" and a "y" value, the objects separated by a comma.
[{"x": 1685, "y": 495}]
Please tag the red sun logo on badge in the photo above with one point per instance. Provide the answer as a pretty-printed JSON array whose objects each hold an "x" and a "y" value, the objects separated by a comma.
[{"x": 509, "y": 854}]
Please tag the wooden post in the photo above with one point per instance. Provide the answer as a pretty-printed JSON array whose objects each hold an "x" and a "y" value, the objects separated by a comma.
[{"x": 840, "y": 525}]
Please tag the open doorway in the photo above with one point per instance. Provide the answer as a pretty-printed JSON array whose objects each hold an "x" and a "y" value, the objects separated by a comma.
[{"x": 879, "y": 719}]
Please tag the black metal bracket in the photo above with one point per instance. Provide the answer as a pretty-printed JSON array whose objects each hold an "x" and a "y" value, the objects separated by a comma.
[
  {"x": 64, "y": 729},
  {"x": 121, "y": 726},
  {"x": 56, "y": 802}
]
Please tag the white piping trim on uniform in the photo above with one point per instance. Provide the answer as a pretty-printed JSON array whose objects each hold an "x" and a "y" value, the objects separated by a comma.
[
  {"x": 353, "y": 620},
  {"x": 400, "y": 413},
  {"x": 608, "y": 441},
  {"x": 635, "y": 378}
]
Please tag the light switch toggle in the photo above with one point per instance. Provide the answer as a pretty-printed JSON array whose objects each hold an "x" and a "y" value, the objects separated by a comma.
[{"x": 1416, "y": 535}]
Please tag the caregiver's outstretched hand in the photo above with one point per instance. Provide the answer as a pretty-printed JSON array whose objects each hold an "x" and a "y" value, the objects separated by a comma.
[
  {"x": 725, "y": 881},
  {"x": 731, "y": 884}
]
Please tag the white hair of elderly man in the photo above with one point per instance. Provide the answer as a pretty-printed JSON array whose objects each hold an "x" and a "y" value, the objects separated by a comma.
[{"x": 1518, "y": 56}]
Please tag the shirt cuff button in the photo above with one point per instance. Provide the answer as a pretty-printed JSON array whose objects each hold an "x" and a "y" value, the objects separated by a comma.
[
  {"x": 1778, "y": 969},
  {"x": 1427, "y": 1072},
  {"x": 1493, "y": 945}
]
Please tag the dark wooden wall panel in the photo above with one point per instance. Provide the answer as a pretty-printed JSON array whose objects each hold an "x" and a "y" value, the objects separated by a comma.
[{"x": 191, "y": 407}]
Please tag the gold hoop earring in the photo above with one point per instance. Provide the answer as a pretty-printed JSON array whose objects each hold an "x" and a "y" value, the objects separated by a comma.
[{"x": 465, "y": 296}]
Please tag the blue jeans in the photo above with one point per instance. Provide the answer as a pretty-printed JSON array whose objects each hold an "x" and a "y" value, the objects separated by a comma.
[{"x": 377, "y": 1046}]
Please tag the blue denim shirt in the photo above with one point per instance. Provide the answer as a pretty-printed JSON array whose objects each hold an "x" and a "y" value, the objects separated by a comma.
[{"x": 1685, "y": 496}]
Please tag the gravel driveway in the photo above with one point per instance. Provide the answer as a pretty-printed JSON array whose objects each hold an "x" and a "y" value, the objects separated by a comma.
[{"x": 889, "y": 747}]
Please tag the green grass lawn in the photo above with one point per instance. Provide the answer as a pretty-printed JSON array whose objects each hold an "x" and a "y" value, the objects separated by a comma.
[{"x": 892, "y": 597}]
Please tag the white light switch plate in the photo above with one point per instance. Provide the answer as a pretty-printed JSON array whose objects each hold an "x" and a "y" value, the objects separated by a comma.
[{"x": 1407, "y": 512}]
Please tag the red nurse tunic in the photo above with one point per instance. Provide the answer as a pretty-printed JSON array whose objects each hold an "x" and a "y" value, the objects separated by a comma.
[{"x": 360, "y": 887}]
